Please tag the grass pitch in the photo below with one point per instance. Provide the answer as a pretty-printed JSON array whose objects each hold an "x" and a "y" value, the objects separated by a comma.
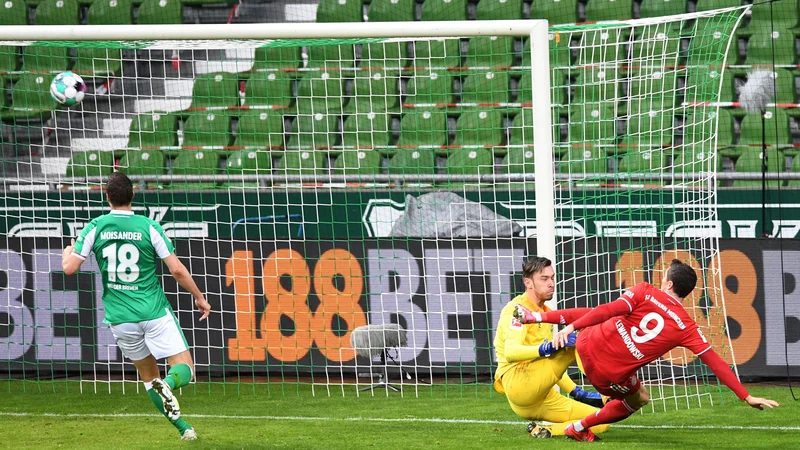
[{"x": 59, "y": 416}]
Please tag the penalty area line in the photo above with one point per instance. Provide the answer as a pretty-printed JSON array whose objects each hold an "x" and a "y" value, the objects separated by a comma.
[{"x": 391, "y": 419}]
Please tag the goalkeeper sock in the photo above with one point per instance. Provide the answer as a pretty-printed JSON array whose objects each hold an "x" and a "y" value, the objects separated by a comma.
[
  {"x": 564, "y": 316},
  {"x": 178, "y": 376},
  {"x": 614, "y": 411},
  {"x": 180, "y": 424}
]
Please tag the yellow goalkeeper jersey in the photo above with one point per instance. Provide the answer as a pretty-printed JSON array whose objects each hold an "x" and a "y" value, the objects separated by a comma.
[{"x": 512, "y": 336}]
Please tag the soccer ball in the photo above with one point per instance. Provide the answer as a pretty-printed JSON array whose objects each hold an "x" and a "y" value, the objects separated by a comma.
[{"x": 68, "y": 88}]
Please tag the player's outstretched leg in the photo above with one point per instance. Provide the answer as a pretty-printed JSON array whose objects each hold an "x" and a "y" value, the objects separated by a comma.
[{"x": 183, "y": 427}]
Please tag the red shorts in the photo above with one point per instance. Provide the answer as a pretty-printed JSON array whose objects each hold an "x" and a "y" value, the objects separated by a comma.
[{"x": 604, "y": 383}]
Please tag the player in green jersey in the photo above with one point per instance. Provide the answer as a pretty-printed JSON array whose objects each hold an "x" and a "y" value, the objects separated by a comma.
[{"x": 127, "y": 248}]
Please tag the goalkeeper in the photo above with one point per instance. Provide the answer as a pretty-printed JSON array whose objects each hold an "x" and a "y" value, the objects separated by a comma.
[
  {"x": 127, "y": 248},
  {"x": 529, "y": 368}
]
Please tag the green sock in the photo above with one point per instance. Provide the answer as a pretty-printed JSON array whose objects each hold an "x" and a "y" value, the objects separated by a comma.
[
  {"x": 180, "y": 424},
  {"x": 178, "y": 376}
]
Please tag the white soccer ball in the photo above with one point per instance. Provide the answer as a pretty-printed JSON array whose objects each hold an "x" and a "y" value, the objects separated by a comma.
[{"x": 68, "y": 88}]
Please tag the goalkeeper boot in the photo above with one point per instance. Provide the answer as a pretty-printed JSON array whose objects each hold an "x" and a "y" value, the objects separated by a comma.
[
  {"x": 189, "y": 435},
  {"x": 582, "y": 436},
  {"x": 538, "y": 432},
  {"x": 525, "y": 315},
  {"x": 171, "y": 407}
]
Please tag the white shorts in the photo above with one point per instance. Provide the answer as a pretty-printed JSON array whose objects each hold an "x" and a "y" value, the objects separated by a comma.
[{"x": 160, "y": 337}]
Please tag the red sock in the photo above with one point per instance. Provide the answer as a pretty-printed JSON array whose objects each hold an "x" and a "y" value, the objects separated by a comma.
[
  {"x": 614, "y": 411},
  {"x": 564, "y": 316}
]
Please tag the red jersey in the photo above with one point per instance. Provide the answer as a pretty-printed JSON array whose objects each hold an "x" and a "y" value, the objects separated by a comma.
[{"x": 652, "y": 324}]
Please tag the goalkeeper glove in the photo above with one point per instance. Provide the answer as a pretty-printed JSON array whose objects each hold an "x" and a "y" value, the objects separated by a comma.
[
  {"x": 572, "y": 339},
  {"x": 525, "y": 315},
  {"x": 589, "y": 398},
  {"x": 546, "y": 349}
]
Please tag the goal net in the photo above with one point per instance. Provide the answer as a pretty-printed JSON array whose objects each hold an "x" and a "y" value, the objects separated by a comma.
[{"x": 316, "y": 185}]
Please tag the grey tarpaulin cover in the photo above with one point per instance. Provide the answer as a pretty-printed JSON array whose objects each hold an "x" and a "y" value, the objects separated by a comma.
[{"x": 447, "y": 215}]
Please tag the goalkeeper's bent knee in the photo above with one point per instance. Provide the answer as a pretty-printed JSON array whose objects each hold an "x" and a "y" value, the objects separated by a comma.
[{"x": 178, "y": 376}]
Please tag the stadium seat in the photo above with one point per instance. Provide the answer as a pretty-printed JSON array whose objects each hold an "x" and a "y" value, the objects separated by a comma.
[
  {"x": 423, "y": 128},
  {"x": 280, "y": 58},
  {"x": 437, "y": 54},
  {"x": 392, "y": 10},
  {"x": 557, "y": 90},
  {"x": 366, "y": 131},
  {"x": 654, "y": 86},
  {"x": 593, "y": 124},
  {"x": 268, "y": 89},
  {"x": 725, "y": 130},
  {"x": 763, "y": 45},
  {"x": 91, "y": 163},
  {"x": 358, "y": 162},
  {"x": 490, "y": 52},
  {"x": 519, "y": 160},
  {"x": 555, "y": 11},
  {"x": 521, "y": 129},
  {"x": 658, "y": 8},
  {"x": 480, "y": 128},
  {"x": 247, "y": 162},
  {"x": 392, "y": 55},
  {"x": 3, "y": 95},
  {"x": 374, "y": 91},
  {"x": 30, "y": 98},
  {"x": 604, "y": 46},
  {"x": 143, "y": 162},
  {"x": 499, "y": 10},
  {"x": 340, "y": 11},
  {"x": 218, "y": 89},
  {"x": 110, "y": 12},
  {"x": 260, "y": 129},
  {"x": 642, "y": 161},
  {"x": 15, "y": 12},
  {"x": 648, "y": 129},
  {"x": 153, "y": 130},
  {"x": 777, "y": 129},
  {"x": 9, "y": 59},
  {"x": 314, "y": 132},
  {"x": 301, "y": 162},
  {"x": 781, "y": 15},
  {"x": 560, "y": 52},
  {"x": 160, "y": 12},
  {"x": 597, "y": 10},
  {"x": 207, "y": 131},
  {"x": 700, "y": 159},
  {"x": 331, "y": 56},
  {"x": 195, "y": 162},
  {"x": 57, "y": 12},
  {"x": 98, "y": 62},
  {"x": 750, "y": 161},
  {"x": 795, "y": 168},
  {"x": 487, "y": 87},
  {"x": 472, "y": 161},
  {"x": 413, "y": 161},
  {"x": 579, "y": 160},
  {"x": 45, "y": 59},
  {"x": 597, "y": 85},
  {"x": 320, "y": 92},
  {"x": 444, "y": 10},
  {"x": 430, "y": 88},
  {"x": 658, "y": 46}
]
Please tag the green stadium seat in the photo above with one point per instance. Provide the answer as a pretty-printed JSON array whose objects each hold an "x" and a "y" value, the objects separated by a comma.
[
  {"x": 30, "y": 98},
  {"x": 430, "y": 88},
  {"x": 331, "y": 56},
  {"x": 153, "y": 130},
  {"x": 487, "y": 87},
  {"x": 143, "y": 162},
  {"x": 519, "y": 160},
  {"x": 444, "y": 10},
  {"x": 110, "y": 12},
  {"x": 555, "y": 11},
  {"x": 358, "y": 162},
  {"x": 367, "y": 131},
  {"x": 413, "y": 162},
  {"x": 698, "y": 160},
  {"x": 651, "y": 86},
  {"x": 658, "y": 46},
  {"x": 247, "y": 162},
  {"x": 45, "y": 59},
  {"x": 777, "y": 129},
  {"x": 260, "y": 129},
  {"x": 91, "y": 163},
  {"x": 499, "y": 10},
  {"x": 301, "y": 162},
  {"x": 597, "y": 85},
  {"x": 320, "y": 92},
  {"x": 437, "y": 54},
  {"x": 658, "y": 8},
  {"x": 795, "y": 168},
  {"x": 764, "y": 44},
  {"x": 490, "y": 52},
  {"x": 207, "y": 131},
  {"x": 725, "y": 130},
  {"x": 314, "y": 132},
  {"x": 160, "y": 12},
  {"x": 593, "y": 124},
  {"x": 473, "y": 161},
  {"x": 57, "y": 12},
  {"x": 98, "y": 62},
  {"x": 642, "y": 160},
  {"x": 392, "y": 10},
  {"x": 423, "y": 128},
  {"x": 588, "y": 159},
  {"x": 277, "y": 58},
  {"x": 604, "y": 46},
  {"x": 193, "y": 163},
  {"x": 480, "y": 128},
  {"x": 781, "y": 15},
  {"x": 15, "y": 12},
  {"x": 708, "y": 5},
  {"x": 750, "y": 161},
  {"x": 648, "y": 129},
  {"x": 217, "y": 90},
  {"x": 391, "y": 55},
  {"x": 3, "y": 96},
  {"x": 9, "y": 59},
  {"x": 268, "y": 89},
  {"x": 340, "y": 11},
  {"x": 597, "y": 10},
  {"x": 374, "y": 91},
  {"x": 521, "y": 129},
  {"x": 560, "y": 52},
  {"x": 525, "y": 90}
]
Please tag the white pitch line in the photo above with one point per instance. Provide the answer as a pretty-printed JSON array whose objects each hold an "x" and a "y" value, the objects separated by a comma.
[{"x": 399, "y": 419}]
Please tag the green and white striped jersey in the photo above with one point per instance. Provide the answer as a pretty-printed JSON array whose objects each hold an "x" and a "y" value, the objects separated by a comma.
[{"x": 127, "y": 248}]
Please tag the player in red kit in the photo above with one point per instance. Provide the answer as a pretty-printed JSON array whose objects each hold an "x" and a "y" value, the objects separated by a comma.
[{"x": 620, "y": 337}]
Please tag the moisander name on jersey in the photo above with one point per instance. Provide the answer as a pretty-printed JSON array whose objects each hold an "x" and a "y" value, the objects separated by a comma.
[{"x": 123, "y": 235}]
